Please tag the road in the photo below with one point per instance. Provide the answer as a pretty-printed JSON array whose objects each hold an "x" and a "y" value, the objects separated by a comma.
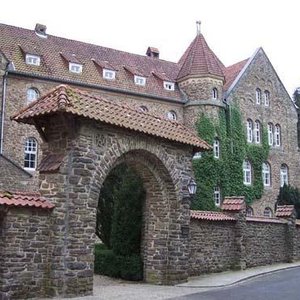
[{"x": 281, "y": 285}]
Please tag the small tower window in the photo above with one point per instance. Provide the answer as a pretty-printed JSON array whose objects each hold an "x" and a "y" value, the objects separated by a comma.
[
  {"x": 33, "y": 60},
  {"x": 216, "y": 147},
  {"x": 75, "y": 68},
  {"x": 217, "y": 196},
  {"x": 214, "y": 94},
  {"x": 139, "y": 80},
  {"x": 258, "y": 96},
  {"x": 32, "y": 95},
  {"x": 109, "y": 74},
  {"x": 30, "y": 154},
  {"x": 171, "y": 115},
  {"x": 170, "y": 86}
]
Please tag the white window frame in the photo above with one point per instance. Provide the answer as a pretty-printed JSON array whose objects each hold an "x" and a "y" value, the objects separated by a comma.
[
  {"x": 75, "y": 68},
  {"x": 197, "y": 155},
  {"x": 266, "y": 174},
  {"x": 215, "y": 94},
  {"x": 277, "y": 135},
  {"x": 271, "y": 134},
  {"x": 249, "y": 131},
  {"x": 247, "y": 172},
  {"x": 258, "y": 96},
  {"x": 284, "y": 175},
  {"x": 32, "y": 94},
  {"x": 30, "y": 154},
  {"x": 168, "y": 85},
  {"x": 257, "y": 132},
  {"x": 267, "y": 98},
  {"x": 139, "y": 80},
  {"x": 34, "y": 60},
  {"x": 268, "y": 213},
  {"x": 109, "y": 74},
  {"x": 216, "y": 148},
  {"x": 217, "y": 196},
  {"x": 171, "y": 115}
]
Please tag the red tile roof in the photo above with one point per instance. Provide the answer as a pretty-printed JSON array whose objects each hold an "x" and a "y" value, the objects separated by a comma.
[
  {"x": 199, "y": 59},
  {"x": 80, "y": 103},
  {"x": 233, "y": 203},
  {"x": 51, "y": 162},
  {"x": 232, "y": 72},
  {"x": 284, "y": 210},
  {"x": 210, "y": 216},
  {"x": 24, "y": 199}
]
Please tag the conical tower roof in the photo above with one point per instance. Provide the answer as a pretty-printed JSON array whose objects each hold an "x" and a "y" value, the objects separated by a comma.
[{"x": 200, "y": 60}]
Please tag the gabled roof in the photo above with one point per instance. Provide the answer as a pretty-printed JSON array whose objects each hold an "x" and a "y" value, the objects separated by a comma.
[
  {"x": 24, "y": 199},
  {"x": 82, "y": 104},
  {"x": 200, "y": 60}
]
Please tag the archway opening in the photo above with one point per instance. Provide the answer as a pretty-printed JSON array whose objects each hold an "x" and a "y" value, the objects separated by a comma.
[{"x": 119, "y": 224}]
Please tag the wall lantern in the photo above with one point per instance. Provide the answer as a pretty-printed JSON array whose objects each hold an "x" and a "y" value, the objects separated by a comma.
[{"x": 192, "y": 187}]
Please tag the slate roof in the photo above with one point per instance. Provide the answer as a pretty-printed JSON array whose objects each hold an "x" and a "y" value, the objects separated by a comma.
[
  {"x": 80, "y": 103},
  {"x": 233, "y": 203},
  {"x": 210, "y": 216},
  {"x": 24, "y": 199},
  {"x": 284, "y": 210},
  {"x": 199, "y": 59}
]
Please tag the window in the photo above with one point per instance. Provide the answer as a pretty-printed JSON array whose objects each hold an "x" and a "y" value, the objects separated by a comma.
[
  {"x": 143, "y": 108},
  {"x": 216, "y": 147},
  {"x": 32, "y": 94},
  {"x": 247, "y": 171},
  {"x": 249, "y": 131},
  {"x": 32, "y": 60},
  {"x": 139, "y": 80},
  {"x": 268, "y": 213},
  {"x": 171, "y": 115},
  {"x": 277, "y": 136},
  {"x": 170, "y": 86},
  {"x": 197, "y": 155},
  {"x": 284, "y": 177},
  {"x": 266, "y": 174},
  {"x": 109, "y": 74},
  {"x": 249, "y": 211},
  {"x": 214, "y": 94},
  {"x": 257, "y": 132},
  {"x": 271, "y": 134},
  {"x": 267, "y": 98},
  {"x": 258, "y": 96},
  {"x": 30, "y": 154},
  {"x": 217, "y": 196},
  {"x": 75, "y": 68}
]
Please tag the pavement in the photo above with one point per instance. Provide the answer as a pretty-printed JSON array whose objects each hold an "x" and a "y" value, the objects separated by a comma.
[{"x": 106, "y": 288}]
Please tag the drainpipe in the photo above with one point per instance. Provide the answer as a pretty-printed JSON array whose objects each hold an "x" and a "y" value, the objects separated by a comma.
[{"x": 4, "y": 82}]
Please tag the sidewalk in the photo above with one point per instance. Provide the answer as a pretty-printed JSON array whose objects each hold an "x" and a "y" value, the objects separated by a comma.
[{"x": 110, "y": 289}]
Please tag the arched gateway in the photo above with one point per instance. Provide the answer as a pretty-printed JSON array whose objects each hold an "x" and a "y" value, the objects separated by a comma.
[{"x": 85, "y": 138}]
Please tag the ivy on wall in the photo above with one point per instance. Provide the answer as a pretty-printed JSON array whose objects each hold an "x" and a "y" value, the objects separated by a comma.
[{"x": 226, "y": 172}]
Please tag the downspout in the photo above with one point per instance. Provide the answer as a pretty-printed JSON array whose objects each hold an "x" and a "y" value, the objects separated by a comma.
[{"x": 3, "y": 100}]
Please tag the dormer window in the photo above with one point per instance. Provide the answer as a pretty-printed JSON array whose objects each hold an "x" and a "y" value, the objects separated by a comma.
[
  {"x": 139, "y": 80},
  {"x": 33, "y": 60},
  {"x": 170, "y": 86},
  {"x": 109, "y": 74},
  {"x": 214, "y": 94},
  {"x": 75, "y": 68}
]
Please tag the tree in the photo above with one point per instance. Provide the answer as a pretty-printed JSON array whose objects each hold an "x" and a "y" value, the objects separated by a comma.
[{"x": 289, "y": 195}]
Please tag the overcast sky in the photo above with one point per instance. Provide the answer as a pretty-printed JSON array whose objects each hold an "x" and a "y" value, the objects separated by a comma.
[{"x": 234, "y": 29}]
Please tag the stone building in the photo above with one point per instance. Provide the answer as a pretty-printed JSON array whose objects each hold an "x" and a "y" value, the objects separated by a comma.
[{"x": 33, "y": 62}]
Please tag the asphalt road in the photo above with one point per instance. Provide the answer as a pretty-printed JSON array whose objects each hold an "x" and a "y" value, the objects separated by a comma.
[{"x": 281, "y": 285}]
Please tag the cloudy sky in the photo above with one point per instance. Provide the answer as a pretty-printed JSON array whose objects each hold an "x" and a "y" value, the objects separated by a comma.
[{"x": 234, "y": 29}]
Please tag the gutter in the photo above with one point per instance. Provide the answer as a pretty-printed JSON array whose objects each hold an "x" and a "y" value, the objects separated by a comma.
[
  {"x": 98, "y": 87},
  {"x": 3, "y": 100}
]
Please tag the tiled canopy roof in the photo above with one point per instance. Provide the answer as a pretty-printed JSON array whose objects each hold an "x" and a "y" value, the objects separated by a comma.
[
  {"x": 210, "y": 216},
  {"x": 24, "y": 199},
  {"x": 284, "y": 210},
  {"x": 233, "y": 203},
  {"x": 79, "y": 103},
  {"x": 199, "y": 59}
]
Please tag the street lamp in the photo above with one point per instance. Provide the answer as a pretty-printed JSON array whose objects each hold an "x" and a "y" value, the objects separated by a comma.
[{"x": 192, "y": 187}]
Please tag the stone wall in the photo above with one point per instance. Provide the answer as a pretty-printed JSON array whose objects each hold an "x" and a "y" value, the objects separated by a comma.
[
  {"x": 24, "y": 239},
  {"x": 297, "y": 239},
  {"x": 212, "y": 246}
]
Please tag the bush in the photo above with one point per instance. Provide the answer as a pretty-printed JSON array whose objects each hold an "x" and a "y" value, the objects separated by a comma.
[{"x": 125, "y": 267}]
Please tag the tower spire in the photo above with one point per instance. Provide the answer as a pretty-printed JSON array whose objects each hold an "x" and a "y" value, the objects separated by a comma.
[{"x": 198, "y": 24}]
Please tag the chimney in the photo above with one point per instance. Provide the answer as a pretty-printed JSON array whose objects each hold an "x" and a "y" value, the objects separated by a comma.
[
  {"x": 40, "y": 30},
  {"x": 152, "y": 52}
]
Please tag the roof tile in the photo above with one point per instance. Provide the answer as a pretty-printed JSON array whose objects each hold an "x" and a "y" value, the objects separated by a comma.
[
  {"x": 235, "y": 203},
  {"x": 76, "y": 102},
  {"x": 51, "y": 162},
  {"x": 284, "y": 210},
  {"x": 24, "y": 199},
  {"x": 210, "y": 216}
]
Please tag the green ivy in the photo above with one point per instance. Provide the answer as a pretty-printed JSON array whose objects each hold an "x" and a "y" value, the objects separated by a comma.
[{"x": 226, "y": 172}]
